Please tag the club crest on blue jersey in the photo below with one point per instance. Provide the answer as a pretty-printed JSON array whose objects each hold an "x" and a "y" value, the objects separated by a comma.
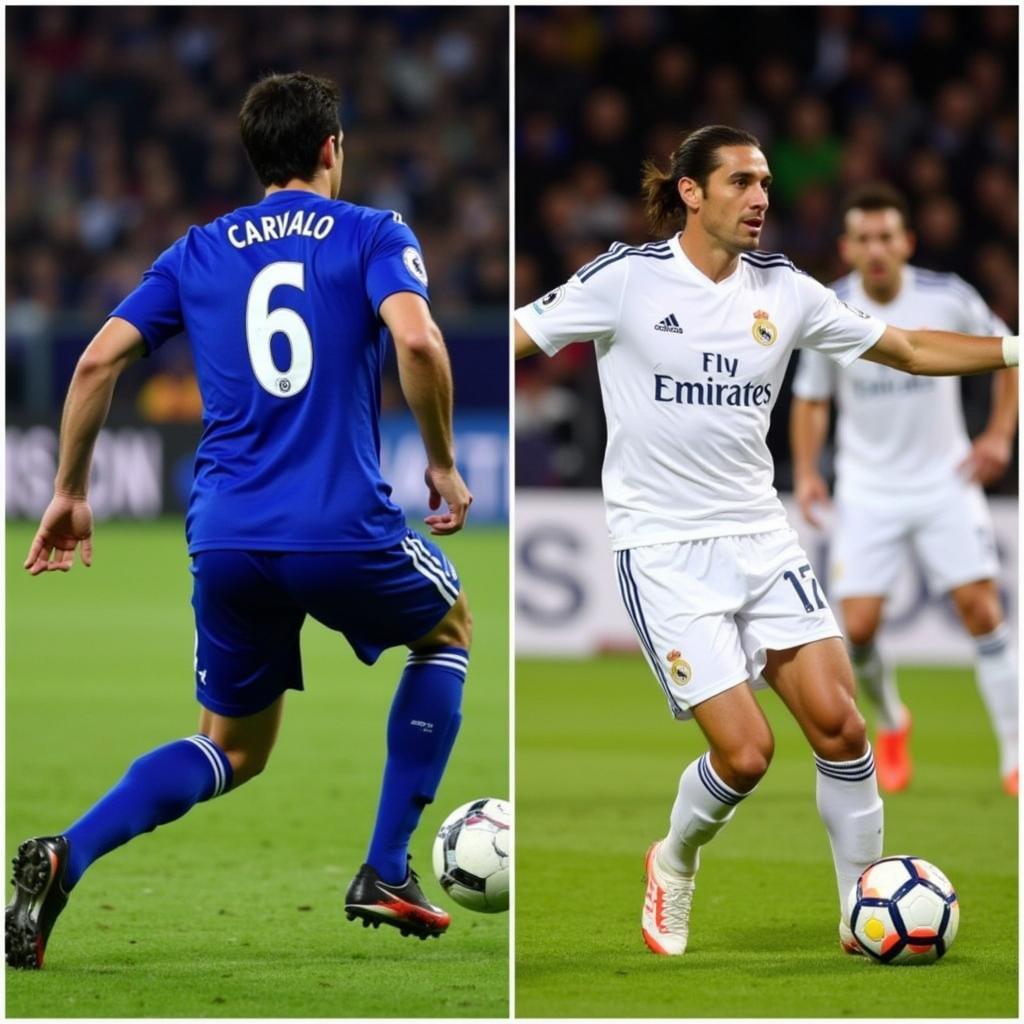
[
  {"x": 549, "y": 301},
  {"x": 763, "y": 330},
  {"x": 414, "y": 264},
  {"x": 680, "y": 669}
]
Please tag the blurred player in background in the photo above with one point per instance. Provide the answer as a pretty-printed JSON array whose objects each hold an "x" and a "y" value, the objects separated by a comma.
[
  {"x": 692, "y": 337},
  {"x": 907, "y": 476},
  {"x": 288, "y": 305}
]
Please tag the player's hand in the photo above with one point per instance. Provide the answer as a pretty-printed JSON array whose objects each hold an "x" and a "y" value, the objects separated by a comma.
[
  {"x": 812, "y": 496},
  {"x": 66, "y": 523},
  {"x": 990, "y": 455},
  {"x": 448, "y": 486}
]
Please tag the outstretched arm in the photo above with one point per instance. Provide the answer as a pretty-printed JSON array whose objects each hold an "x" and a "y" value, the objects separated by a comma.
[
  {"x": 942, "y": 353},
  {"x": 808, "y": 428},
  {"x": 68, "y": 519},
  {"x": 525, "y": 345},
  {"x": 426, "y": 378}
]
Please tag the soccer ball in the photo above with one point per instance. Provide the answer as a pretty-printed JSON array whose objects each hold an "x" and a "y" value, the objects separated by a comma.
[
  {"x": 471, "y": 855},
  {"x": 903, "y": 910}
]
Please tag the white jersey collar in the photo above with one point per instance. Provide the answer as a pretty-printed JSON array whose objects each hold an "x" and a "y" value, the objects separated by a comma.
[{"x": 691, "y": 273}]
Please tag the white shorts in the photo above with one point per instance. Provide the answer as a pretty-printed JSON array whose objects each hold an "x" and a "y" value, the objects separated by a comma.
[
  {"x": 950, "y": 534},
  {"x": 708, "y": 611}
]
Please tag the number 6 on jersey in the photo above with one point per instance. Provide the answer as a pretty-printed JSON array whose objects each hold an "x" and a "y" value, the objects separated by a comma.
[{"x": 262, "y": 323}]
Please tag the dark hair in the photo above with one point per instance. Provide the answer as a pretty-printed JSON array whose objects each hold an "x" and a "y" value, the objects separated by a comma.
[
  {"x": 877, "y": 195},
  {"x": 695, "y": 157},
  {"x": 284, "y": 121}
]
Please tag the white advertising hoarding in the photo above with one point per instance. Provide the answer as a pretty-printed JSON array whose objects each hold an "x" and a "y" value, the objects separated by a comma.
[{"x": 567, "y": 593}]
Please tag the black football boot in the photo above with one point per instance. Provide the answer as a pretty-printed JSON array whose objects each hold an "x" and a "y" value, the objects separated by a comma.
[
  {"x": 40, "y": 867},
  {"x": 401, "y": 906}
]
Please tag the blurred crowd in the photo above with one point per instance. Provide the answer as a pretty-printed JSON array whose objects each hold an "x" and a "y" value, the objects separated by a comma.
[
  {"x": 922, "y": 97},
  {"x": 122, "y": 132}
]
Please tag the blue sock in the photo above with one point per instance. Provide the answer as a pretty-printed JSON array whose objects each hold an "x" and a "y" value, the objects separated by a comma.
[
  {"x": 157, "y": 788},
  {"x": 422, "y": 726}
]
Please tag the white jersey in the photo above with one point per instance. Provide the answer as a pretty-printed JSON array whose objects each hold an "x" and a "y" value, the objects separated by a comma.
[
  {"x": 690, "y": 371},
  {"x": 899, "y": 436}
]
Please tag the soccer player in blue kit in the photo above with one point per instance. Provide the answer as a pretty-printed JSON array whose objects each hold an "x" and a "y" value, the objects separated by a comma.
[{"x": 288, "y": 305}]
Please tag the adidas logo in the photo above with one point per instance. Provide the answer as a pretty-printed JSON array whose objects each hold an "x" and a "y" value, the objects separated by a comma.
[{"x": 670, "y": 323}]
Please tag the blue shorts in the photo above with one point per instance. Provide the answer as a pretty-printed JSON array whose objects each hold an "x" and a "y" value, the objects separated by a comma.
[{"x": 250, "y": 606}]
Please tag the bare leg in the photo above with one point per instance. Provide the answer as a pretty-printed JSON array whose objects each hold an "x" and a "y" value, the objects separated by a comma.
[
  {"x": 741, "y": 748},
  {"x": 247, "y": 741},
  {"x": 454, "y": 630},
  {"x": 709, "y": 790},
  {"x": 738, "y": 736}
]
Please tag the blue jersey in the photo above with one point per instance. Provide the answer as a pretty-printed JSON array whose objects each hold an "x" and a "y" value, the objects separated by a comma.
[{"x": 280, "y": 301}]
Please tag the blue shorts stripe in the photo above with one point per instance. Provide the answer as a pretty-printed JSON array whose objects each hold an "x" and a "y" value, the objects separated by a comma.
[
  {"x": 442, "y": 563},
  {"x": 428, "y": 568},
  {"x": 628, "y": 599},
  {"x": 628, "y": 596}
]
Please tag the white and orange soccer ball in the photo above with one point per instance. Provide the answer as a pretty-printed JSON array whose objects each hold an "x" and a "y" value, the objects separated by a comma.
[{"x": 903, "y": 910}]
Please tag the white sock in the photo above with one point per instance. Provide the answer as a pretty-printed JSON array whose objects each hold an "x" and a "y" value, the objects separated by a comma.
[
  {"x": 878, "y": 683},
  {"x": 704, "y": 804},
  {"x": 851, "y": 809},
  {"x": 997, "y": 679}
]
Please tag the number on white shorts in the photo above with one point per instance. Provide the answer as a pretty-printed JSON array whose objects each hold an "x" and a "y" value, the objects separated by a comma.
[
  {"x": 262, "y": 323},
  {"x": 804, "y": 571}
]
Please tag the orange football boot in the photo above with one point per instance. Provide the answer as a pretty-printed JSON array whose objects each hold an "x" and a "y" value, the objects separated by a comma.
[{"x": 892, "y": 756}]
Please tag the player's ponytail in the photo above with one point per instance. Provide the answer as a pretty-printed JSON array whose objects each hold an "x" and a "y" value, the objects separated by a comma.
[
  {"x": 664, "y": 209},
  {"x": 695, "y": 157}
]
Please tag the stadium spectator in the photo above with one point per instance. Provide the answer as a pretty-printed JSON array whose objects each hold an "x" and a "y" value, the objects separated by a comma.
[{"x": 122, "y": 132}]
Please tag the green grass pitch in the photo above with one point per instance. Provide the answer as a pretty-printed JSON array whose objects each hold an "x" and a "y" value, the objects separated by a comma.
[
  {"x": 235, "y": 910},
  {"x": 597, "y": 763}
]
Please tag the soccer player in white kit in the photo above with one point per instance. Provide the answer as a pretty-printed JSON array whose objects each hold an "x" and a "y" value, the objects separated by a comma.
[
  {"x": 692, "y": 337},
  {"x": 907, "y": 477}
]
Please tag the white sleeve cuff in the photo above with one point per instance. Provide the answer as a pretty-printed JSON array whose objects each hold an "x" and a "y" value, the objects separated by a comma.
[{"x": 1011, "y": 350}]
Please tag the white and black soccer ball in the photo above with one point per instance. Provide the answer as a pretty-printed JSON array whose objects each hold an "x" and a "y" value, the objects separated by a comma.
[
  {"x": 471, "y": 855},
  {"x": 903, "y": 910}
]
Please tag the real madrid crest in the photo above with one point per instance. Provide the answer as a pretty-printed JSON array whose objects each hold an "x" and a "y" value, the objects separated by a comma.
[
  {"x": 764, "y": 331},
  {"x": 679, "y": 668}
]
